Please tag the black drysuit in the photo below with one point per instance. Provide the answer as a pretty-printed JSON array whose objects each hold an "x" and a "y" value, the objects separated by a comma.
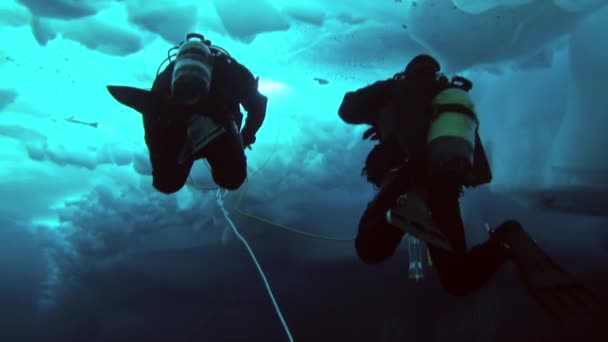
[
  {"x": 404, "y": 106},
  {"x": 166, "y": 124}
]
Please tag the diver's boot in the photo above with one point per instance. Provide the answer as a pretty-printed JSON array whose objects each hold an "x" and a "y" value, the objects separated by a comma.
[
  {"x": 202, "y": 130},
  {"x": 559, "y": 294},
  {"x": 412, "y": 215}
]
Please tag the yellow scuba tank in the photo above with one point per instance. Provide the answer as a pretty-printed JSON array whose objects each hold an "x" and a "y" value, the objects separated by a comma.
[
  {"x": 451, "y": 135},
  {"x": 191, "y": 78}
]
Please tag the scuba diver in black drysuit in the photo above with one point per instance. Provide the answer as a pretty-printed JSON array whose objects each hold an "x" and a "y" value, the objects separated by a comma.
[
  {"x": 192, "y": 112},
  {"x": 429, "y": 149}
]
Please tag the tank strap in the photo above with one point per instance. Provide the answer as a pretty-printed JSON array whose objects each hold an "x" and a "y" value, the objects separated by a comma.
[{"x": 458, "y": 108}]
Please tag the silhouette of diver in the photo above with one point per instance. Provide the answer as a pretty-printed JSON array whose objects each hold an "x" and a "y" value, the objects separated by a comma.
[
  {"x": 428, "y": 150},
  {"x": 192, "y": 112}
]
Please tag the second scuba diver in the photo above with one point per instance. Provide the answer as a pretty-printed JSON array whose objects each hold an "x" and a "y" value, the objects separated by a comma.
[{"x": 428, "y": 150}]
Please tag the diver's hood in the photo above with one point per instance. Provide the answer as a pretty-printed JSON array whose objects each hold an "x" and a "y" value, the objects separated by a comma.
[{"x": 422, "y": 64}]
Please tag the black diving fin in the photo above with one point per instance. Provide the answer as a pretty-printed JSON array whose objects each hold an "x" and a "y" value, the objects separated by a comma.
[
  {"x": 574, "y": 306},
  {"x": 138, "y": 99}
]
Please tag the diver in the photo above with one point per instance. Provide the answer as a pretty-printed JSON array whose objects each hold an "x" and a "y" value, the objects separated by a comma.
[
  {"x": 428, "y": 150},
  {"x": 193, "y": 112}
]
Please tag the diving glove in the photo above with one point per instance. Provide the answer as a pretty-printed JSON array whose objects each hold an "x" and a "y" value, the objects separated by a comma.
[
  {"x": 559, "y": 294},
  {"x": 412, "y": 215},
  {"x": 247, "y": 140}
]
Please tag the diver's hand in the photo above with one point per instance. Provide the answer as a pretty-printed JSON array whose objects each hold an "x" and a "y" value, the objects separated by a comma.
[{"x": 247, "y": 142}]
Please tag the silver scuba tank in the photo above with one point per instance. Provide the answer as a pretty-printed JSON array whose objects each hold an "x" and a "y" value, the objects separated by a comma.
[{"x": 191, "y": 78}]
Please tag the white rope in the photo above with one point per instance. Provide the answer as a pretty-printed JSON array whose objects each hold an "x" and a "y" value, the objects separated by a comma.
[{"x": 220, "y": 202}]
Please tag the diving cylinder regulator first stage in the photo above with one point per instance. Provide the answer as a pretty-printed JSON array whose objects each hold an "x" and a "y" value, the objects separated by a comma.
[{"x": 191, "y": 79}]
